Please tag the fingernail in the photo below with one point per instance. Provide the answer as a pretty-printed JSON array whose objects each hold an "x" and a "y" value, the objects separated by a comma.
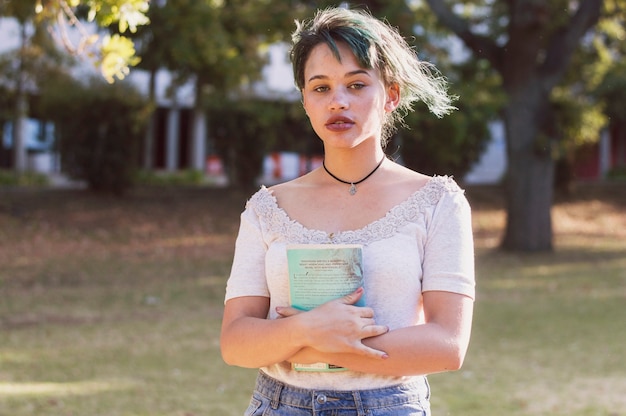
[{"x": 384, "y": 356}]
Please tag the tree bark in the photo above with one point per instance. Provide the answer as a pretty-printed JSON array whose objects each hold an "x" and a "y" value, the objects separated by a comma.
[
  {"x": 530, "y": 173},
  {"x": 148, "y": 141},
  {"x": 530, "y": 176},
  {"x": 197, "y": 156},
  {"x": 21, "y": 109}
]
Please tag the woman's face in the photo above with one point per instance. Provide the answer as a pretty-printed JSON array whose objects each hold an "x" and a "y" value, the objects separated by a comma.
[{"x": 346, "y": 103}]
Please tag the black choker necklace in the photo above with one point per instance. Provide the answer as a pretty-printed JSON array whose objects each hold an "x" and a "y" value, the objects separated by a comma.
[{"x": 353, "y": 184}]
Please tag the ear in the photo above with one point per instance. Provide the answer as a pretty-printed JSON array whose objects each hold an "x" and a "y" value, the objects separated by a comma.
[{"x": 393, "y": 97}]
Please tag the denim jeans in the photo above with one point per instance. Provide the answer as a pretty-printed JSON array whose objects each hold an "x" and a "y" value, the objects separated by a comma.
[{"x": 273, "y": 398}]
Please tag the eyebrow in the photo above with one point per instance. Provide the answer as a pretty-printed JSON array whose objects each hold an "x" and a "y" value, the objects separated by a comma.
[{"x": 348, "y": 74}]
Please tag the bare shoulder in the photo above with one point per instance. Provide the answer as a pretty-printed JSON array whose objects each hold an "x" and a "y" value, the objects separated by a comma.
[
  {"x": 293, "y": 190},
  {"x": 407, "y": 178}
]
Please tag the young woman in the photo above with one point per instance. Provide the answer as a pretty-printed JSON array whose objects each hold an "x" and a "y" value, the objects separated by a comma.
[{"x": 357, "y": 77}]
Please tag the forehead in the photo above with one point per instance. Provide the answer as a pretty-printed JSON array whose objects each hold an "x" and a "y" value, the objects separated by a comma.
[{"x": 322, "y": 60}]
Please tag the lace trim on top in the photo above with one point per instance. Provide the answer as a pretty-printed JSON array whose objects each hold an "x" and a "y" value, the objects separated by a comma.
[{"x": 278, "y": 222}]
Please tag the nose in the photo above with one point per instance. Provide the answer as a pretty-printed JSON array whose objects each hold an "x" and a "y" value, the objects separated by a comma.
[{"x": 338, "y": 100}]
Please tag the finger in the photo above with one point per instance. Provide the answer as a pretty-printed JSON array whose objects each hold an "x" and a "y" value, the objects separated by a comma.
[
  {"x": 286, "y": 311},
  {"x": 371, "y": 352},
  {"x": 368, "y": 322},
  {"x": 374, "y": 331},
  {"x": 352, "y": 298},
  {"x": 366, "y": 312}
]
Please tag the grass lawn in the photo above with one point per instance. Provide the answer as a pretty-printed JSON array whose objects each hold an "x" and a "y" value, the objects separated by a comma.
[{"x": 112, "y": 307}]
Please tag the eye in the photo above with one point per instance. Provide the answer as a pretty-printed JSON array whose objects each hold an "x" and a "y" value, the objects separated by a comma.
[
  {"x": 321, "y": 88},
  {"x": 357, "y": 86}
]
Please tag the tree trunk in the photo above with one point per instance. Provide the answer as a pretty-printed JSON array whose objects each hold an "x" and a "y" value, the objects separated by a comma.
[
  {"x": 198, "y": 146},
  {"x": 19, "y": 132},
  {"x": 21, "y": 110},
  {"x": 530, "y": 175},
  {"x": 148, "y": 141},
  {"x": 197, "y": 156}
]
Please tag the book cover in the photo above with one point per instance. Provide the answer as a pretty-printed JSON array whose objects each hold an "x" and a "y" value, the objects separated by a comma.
[{"x": 319, "y": 273}]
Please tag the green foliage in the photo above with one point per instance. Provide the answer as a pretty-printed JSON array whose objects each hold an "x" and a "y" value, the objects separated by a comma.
[
  {"x": 22, "y": 73},
  {"x": 612, "y": 91},
  {"x": 217, "y": 41},
  {"x": 618, "y": 173},
  {"x": 220, "y": 46},
  {"x": 127, "y": 14},
  {"x": 244, "y": 131},
  {"x": 186, "y": 177},
  {"x": 445, "y": 146},
  {"x": 112, "y": 54},
  {"x": 451, "y": 145},
  {"x": 99, "y": 131},
  {"x": 118, "y": 54},
  {"x": 22, "y": 10},
  {"x": 590, "y": 91},
  {"x": 37, "y": 61},
  {"x": 6, "y": 101},
  {"x": 12, "y": 178},
  {"x": 578, "y": 120}
]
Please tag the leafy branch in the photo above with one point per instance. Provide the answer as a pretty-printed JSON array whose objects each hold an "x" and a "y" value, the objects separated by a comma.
[{"x": 112, "y": 54}]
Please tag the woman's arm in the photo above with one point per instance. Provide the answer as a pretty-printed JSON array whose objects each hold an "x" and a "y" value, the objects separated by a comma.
[
  {"x": 437, "y": 345},
  {"x": 248, "y": 339}
]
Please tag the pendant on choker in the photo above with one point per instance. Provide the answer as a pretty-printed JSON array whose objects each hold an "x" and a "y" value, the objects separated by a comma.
[{"x": 353, "y": 185}]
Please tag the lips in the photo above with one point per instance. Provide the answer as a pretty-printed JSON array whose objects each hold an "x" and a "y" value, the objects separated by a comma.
[{"x": 339, "y": 123}]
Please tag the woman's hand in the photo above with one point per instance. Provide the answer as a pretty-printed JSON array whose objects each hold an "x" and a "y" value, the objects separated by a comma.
[{"x": 338, "y": 326}]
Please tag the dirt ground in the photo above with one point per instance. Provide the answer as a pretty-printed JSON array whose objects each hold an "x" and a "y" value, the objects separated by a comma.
[{"x": 47, "y": 224}]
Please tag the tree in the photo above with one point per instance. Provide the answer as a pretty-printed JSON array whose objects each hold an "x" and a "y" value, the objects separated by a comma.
[
  {"x": 530, "y": 43},
  {"x": 579, "y": 113},
  {"x": 99, "y": 128},
  {"x": 252, "y": 127},
  {"x": 612, "y": 89},
  {"x": 23, "y": 71},
  {"x": 450, "y": 145},
  {"x": 216, "y": 44},
  {"x": 22, "y": 11},
  {"x": 113, "y": 53}
]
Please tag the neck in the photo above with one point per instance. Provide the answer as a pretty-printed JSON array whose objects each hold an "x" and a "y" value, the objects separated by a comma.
[
  {"x": 356, "y": 182},
  {"x": 350, "y": 168}
]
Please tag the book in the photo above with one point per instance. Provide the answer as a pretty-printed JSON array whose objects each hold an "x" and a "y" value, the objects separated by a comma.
[{"x": 319, "y": 273}]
